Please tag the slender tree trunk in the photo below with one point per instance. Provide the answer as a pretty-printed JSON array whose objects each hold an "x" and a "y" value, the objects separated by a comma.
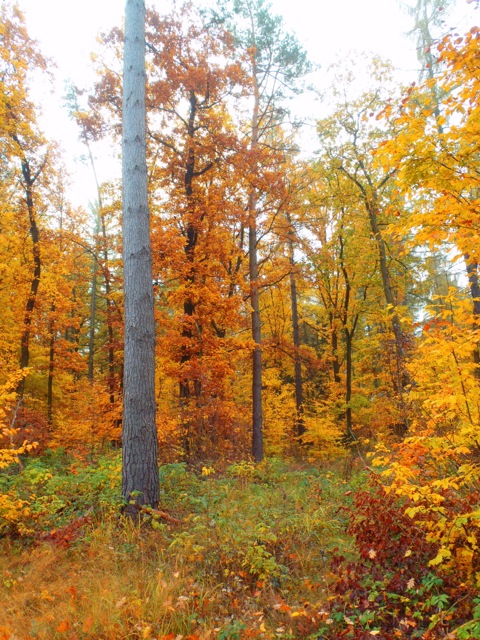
[
  {"x": 188, "y": 303},
  {"x": 299, "y": 422},
  {"x": 100, "y": 223},
  {"x": 91, "y": 332},
  {"x": 401, "y": 376},
  {"x": 472, "y": 273},
  {"x": 140, "y": 480},
  {"x": 348, "y": 385},
  {"x": 109, "y": 304},
  {"x": 257, "y": 431},
  {"x": 29, "y": 181},
  {"x": 334, "y": 346},
  {"x": 370, "y": 198},
  {"x": 426, "y": 58},
  {"x": 348, "y": 333},
  {"x": 257, "y": 419},
  {"x": 51, "y": 369}
]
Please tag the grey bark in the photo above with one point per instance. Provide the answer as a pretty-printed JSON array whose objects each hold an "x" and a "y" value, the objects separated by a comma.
[{"x": 140, "y": 481}]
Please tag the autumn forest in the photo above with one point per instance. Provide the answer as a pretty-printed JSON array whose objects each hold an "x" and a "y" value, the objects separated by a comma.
[{"x": 315, "y": 371}]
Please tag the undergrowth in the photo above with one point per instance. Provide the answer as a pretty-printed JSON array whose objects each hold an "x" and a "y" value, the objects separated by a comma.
[
  {"x": 248, "y": 558},
  {"x": 274, "y": 550}
]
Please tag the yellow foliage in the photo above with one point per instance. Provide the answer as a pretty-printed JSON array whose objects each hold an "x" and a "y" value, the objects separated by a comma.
[
  {"x": 88, "y": 421},
  {"x": 8, "y": 397}
]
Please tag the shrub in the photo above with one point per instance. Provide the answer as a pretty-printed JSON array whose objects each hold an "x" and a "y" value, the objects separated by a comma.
[{"x": 397, "y": 588}]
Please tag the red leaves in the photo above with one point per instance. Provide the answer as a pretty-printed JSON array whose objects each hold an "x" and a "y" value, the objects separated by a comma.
[
  {"x": 64, "y": 536},
  {"x": 63, "y": 626},
  {"x": 174, "y": 636}
]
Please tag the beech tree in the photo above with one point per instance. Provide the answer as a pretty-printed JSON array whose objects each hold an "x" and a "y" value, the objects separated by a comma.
[{"x": 140, "y": 481}]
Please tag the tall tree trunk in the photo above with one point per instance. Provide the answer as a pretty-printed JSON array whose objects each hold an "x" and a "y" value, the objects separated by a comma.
[
  {"x": 257, "y": 428},
  {"x": 348, "y": 333},
  {"x": 140, "y": 479},
  {"x": 28, "y": 181},
  {"x": 277, "y": 61},
  {"x": 299, "y": 422},
  {"x": 188, "y": 303},
  {"x": 109, "y": 303}
]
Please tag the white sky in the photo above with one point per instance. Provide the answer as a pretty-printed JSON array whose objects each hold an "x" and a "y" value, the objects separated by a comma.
[{"x": 67, "y": 30}]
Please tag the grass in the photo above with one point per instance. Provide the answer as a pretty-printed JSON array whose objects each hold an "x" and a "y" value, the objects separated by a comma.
[{"x": 249, "y": 560}]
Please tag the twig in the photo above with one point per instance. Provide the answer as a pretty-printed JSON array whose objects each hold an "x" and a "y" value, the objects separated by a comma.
[{"x": 161, "y": 514}]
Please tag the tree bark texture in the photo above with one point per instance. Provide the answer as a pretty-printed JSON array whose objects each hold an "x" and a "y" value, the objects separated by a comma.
[{"x": 140, "y": 480}]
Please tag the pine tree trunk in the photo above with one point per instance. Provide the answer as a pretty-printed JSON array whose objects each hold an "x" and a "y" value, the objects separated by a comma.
[
  {"x": 140, "y": 481},
  {"x": 257, "y": 432},
  {"x": 257, "y": 419}
]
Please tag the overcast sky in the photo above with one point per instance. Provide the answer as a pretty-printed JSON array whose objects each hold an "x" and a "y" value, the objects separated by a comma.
[{"x": 67, "y": 30}]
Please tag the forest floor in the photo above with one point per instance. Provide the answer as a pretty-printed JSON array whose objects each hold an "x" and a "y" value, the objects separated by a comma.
[{"x": 248, "y": 558}]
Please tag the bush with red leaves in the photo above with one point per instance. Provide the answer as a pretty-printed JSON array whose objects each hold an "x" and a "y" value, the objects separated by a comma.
[{"x": 391, "y": 591}]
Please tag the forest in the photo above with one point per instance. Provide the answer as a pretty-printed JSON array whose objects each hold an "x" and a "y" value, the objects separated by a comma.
[{"x": 264, "y": 421}]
